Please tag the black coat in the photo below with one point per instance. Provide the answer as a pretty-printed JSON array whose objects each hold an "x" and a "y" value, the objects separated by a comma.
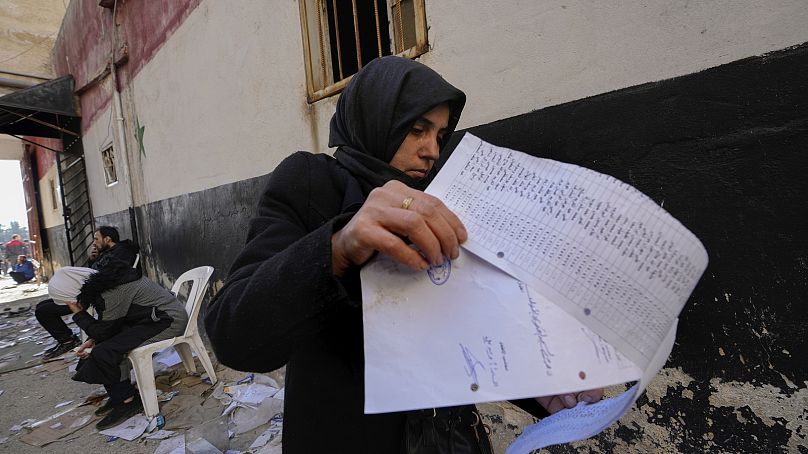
[{"x": 281, "y": 304}]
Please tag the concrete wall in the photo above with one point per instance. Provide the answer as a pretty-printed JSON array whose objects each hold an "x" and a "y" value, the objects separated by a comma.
[
  {"x": 10, "y": 148},
  {"x": 519, "y": 56},
  {"x": 50, "y": 216},
  {"x": 27, "y": 33},
  {"x": 723, "y": 151},
  {"x": 238, "y": 108},
  {"x": 98, "y": 136}
]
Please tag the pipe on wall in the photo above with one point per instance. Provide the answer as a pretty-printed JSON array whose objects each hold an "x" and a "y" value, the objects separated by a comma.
[
  {"x": 15, "y": 83},
  {"x": 120, "y": 121}
]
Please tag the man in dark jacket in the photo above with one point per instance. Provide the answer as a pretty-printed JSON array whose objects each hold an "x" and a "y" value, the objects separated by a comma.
[
  {"x": 106, "y": 245},
  {"x": 132, "y": 310}
]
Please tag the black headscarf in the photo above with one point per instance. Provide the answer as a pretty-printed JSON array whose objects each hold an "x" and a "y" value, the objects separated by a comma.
[{"x": 377, "y": 110}]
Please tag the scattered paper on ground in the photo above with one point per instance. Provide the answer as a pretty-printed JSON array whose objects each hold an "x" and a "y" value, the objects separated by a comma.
[{"x": 60, "y": 427}]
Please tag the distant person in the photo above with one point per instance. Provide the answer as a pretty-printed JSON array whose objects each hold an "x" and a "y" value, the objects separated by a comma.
[
  {"x": 106, "y": 245},
  {"x": 15, "y": 248},
  {"x": 132, "y": 310},
  {"x": 23, "y": 271}
]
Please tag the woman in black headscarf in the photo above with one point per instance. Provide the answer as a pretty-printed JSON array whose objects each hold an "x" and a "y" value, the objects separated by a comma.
[{"x": 293, "y": 294}]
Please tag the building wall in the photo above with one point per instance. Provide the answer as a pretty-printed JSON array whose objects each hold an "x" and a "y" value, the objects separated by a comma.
[
  {"x": 669, "y": 96},
  {"x": 97, "y": 137},
  {"x": 10, "y": 148},
  {"x": 27, "y": 33},
  {"x": 50, "y": 197},
  {"x": 559, "y": 53}
]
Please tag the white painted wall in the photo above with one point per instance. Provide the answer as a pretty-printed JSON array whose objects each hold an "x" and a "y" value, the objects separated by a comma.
[
  {"x": 105, "y": 199},
  {"x": 518, "y": 56},
  {"x": 224, "y": 99},
  {"x": 225, "y": 106},
  {"x": 10, "y": 148}
]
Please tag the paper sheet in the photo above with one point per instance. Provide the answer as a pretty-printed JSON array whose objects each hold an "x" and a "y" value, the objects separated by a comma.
[
  {"x": 586, "y": 421},
  {"x": 474, "y": 334},
  {"x": 128, "y": 430},
  {"x": 595, "y": 270},
  {"x": 595, "y": 246}
]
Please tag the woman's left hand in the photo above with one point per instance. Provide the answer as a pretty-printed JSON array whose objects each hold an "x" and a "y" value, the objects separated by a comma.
[
  {"x": 553, "y": 404},
  {"x": 393, "y": 213}
]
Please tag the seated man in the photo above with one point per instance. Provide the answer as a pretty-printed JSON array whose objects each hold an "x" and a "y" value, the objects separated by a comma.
[
  {"x": 106, "y": 243},
  {"x": 132, "y": 311},
  {"x": 23, "y": 271}
]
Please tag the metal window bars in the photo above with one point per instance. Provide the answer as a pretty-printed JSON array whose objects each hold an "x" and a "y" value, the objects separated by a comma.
[{"x": 321, "y": 24}]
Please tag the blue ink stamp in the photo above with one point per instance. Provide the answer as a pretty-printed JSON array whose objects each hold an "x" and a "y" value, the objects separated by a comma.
[{"x": 439, "y": 274}]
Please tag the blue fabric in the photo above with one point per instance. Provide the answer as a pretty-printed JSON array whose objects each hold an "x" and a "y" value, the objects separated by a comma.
[{"x": 26, "y": 268}]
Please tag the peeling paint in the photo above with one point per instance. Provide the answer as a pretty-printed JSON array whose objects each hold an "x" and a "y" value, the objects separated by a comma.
[{"x": 770, "y": 404}]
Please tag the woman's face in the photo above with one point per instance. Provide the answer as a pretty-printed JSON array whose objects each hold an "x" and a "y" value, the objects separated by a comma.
[{"x": 421, "y": 147}]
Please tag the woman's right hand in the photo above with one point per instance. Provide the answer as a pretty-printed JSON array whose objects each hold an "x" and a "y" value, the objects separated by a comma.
[
  {"x": 382, "y": 224},
  {"x": 85, "y": 348}
]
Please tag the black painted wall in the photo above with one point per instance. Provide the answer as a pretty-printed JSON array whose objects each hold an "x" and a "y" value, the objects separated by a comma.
[
  {"x": 119, "y": 220},
  {"x": 724, "y": 151},
  {"x": 201, "y": 228}
]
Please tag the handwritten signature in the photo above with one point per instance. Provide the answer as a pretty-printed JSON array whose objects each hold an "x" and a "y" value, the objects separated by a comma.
[
  {"x": 539, "y": 332},
  {"x": 471, "y": 363}
]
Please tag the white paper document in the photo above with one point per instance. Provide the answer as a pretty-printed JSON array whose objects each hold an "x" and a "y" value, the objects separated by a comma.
[
  {"x": 467, "y": 333},
  {"x": 570, "y": 280},
  {"x": 595, "y": 246}
]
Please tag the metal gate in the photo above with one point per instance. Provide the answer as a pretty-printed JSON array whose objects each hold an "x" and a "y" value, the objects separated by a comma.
[
  {"x": 49, "y": 110},
  {"x": 78, "y": 213}
]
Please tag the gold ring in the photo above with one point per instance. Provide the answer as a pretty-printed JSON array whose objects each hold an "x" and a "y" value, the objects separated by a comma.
[{"x": 406, "y": 203}]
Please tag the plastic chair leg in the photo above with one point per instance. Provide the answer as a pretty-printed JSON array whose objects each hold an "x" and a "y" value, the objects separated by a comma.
[
  {"x": 204, "y": 358},
  {"x": 184, "y": 350},
  {"x": 144, "y": 374}
]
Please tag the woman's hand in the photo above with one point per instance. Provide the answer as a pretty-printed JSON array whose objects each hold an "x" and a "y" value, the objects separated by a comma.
[
  {"x": 383, "y": 222},
  {"x": 85, "y": 348},
  {"x": 74, "y": 306},
  {"x": 554, "y": 404}
]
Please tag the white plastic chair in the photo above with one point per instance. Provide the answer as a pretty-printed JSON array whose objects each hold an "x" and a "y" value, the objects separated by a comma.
[{"x": 141, "y": 357}]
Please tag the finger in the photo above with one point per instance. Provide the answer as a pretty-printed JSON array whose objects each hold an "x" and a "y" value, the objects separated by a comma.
[
  {"x": 375, "y": 229},
  {"x": 435, "y": 214},
  {"x": 591, "y": 396},
  {"x": 396, "y": 249},
  {"x": 454, "y": 222},
  {"x": 552, "y": 404},
  {"x": 394, "y": 193},
  {"x": 570, "y": 400},
  {"x": 413, "y": 226}
]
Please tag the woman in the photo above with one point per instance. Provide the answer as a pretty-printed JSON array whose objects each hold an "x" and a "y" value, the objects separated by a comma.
[
  {"x": 293, "y": 294},
  {"x": 132, "y": 311}
]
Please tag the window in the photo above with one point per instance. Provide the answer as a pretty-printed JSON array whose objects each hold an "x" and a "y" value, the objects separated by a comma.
[
  {"x": 108, "y": 156},
  {"x": 341, "y": 36},
  {"x": 54, "y": 194}
]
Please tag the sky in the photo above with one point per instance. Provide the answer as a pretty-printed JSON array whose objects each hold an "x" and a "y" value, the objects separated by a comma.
[{"x": 12, "y": 200}]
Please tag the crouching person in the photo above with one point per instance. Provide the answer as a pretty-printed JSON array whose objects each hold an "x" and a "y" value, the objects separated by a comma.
[{"x": 132, "y": 311}]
